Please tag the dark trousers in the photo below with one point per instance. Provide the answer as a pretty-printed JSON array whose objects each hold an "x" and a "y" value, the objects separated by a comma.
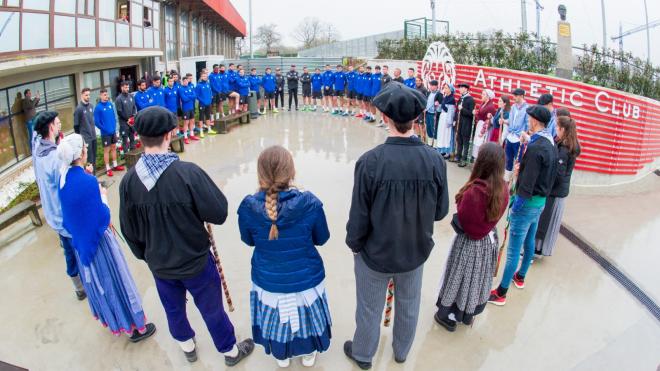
[
  {"x": 206, "y": 290},
  {"x": 430, "y": 125},
  {"x": 279, "y": 95},
  {"x": 69, "y": 256},
  {"x": 127, "y": 136},
  {"x": 293, "y": 94},
  {"x": 463, "y": 146},
  {"x": 91, "y": 152}
]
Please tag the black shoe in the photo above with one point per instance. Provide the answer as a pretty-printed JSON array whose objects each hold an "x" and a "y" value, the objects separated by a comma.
[
  {"x": 151, "y": 329},
  {"x": 348, "y": 351},
  {"x": 448, "y": 324},
  {"x": 462, "y": 164},
  {"x": 399, "y": 360},
  {"x": 245, "y": 348},
  {"x": 192, "y": 355},
  {"x": 81, "y": 295}
]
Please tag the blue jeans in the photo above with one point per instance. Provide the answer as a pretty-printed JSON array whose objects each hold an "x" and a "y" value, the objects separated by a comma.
[
  {"x": 430, "y": 125},
  {"x": 522, "y": 232},
  {"x": 69, "y": 256},
  {"x": 30, "y": 130},
  {"x": 511, "y": 150}
]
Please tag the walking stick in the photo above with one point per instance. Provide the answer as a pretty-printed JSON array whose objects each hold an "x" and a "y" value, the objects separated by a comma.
[
  {"x": 388, "y": 303},
  {"x": 216, "y": 257},
  {"x": 436, "y": 118},
  {"x": 512, "y": 188}
]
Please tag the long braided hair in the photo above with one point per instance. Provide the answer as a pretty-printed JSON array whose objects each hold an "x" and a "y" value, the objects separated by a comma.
[{"x": 276, "y": 172}]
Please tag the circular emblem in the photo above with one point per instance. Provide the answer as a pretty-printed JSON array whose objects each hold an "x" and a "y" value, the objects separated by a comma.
[{"x": 438, "y": 64}]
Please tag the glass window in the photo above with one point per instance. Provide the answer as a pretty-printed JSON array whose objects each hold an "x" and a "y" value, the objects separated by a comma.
[
  {"x": 9, "y": 37},
  {"x": 156, "y": 21},
  {"x": 36, "y": 4},
  {"x": 156, "y": 40},
  {"x": 106, "y": 33},
  {"x": 65, "y": 109},
  {"x": 137, "y": 37},
  {"x": 18, "y": 120},
  {"x": 108, "y": 9},
  {"x": 86, "y": 7},
  {"x": 170, "y": 33},
  {"x": 148, "y": 38},
  {"x": 59, "y": 87},
  {"x": 185, "y": 41},
  {"x": 65, "y": 32},
  {"x": 86, "y": 33},
  {"x": 194, "y": 46},
  {"x": 65, "y": 6},
  {"x": 92, "y": 80},
  {"x": 13, "y": 2},
  {"x": 35, "y": 36},
  {"x": 7, "y": 153},
  {"x": 136, "y": 13},
  {"x": 123, "y": 35}
]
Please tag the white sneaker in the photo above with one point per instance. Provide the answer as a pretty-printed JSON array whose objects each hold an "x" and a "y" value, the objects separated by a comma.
[
  {"x": 283, "y": 363},
  {"x": 309, "y": 360}
]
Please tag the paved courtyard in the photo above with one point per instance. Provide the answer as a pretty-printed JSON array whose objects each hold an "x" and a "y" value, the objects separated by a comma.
[{"x": 571, "y": 315}]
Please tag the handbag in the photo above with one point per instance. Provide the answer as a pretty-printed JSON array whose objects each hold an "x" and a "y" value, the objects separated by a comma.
[{"x": 456, "y": 224}]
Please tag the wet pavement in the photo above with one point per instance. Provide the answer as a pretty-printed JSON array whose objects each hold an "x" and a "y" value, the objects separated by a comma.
[{"x": 571, "y": 315}]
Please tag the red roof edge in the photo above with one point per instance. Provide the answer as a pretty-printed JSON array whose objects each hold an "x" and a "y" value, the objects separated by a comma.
[{"x": 227, "y": 11}]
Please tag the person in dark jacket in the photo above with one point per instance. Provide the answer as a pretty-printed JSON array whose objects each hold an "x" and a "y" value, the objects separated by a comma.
[
  {"x": 287, "y": 270},
  {"x": 306, "y": 81},
  {"x": 400, "y": 190},
  {"x": 481, "y": 202},
  {"x": 292, "y": 78},
  {"x": 568, "y": 150},
  {"x": 29, "y": 105},
  {"x": 126, "y": 112},
  {"x": 397, "y": 75},
  {"x": 465, "y": 122},
  {"x": 83, "y": 124},
  {"x": 279, "y": 92},
  {"x": 164, "y": 204},
  {"x": 538, "y": 170}
]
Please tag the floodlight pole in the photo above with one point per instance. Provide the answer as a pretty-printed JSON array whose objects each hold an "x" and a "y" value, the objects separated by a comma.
[
  {"x": 433, "y": 26},
  {"x": 250, "y": 19},
  {"x": 602, "y": 8},
  {"x": 523, "y": 15},
  {"x": 648, "y": 37}
]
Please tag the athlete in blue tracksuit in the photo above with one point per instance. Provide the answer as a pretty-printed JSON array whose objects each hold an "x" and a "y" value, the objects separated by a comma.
[
  {"x": 328, "y": 82},
  {"x": 351, "y": 76},
  {"x": 156, "y": 93},
  {"x": 205, "y": 98},
  {"x": 216, "y": 89},
  {"x": 317, "y": 86},
  {"x": 105, "y": 119},
  {"x": 171, "y": 94},
  {"x": 374, "y": 87},
  {"x": 410, "y": 80},
  {"x": 270, "y": 85},
  {"x": 243, "y": 85},
  {"x": 255, "y": 85},
  {"x": 142, "y": 97},
  {"x": 339, "y": 85},
  {"x": 366, "y": 93},
  {"x": 187, "y": 98}
]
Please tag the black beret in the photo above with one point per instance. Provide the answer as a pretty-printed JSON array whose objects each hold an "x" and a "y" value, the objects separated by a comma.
[
  {"x": 545, "y": 99},
  {"x": 540, "y": 113},
  {"x": 399, "y": 102},
  {"x": 434, "y": 82},
  {"x": 518, "y": 91},
  {"x": 44, "y": 119},
  {"x": 464, "y": 85},
  {"x": 154, "y": 121}
]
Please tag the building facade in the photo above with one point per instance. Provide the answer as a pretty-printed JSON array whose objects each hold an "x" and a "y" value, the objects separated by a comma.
[{"x": 55, "y": 48}]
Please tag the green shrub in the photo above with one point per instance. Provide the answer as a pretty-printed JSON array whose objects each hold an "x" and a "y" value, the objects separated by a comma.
[{"x": 31, "y": 192}]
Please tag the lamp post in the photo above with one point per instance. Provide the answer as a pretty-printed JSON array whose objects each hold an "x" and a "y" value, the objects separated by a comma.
[{"x": 250, "y": 19}]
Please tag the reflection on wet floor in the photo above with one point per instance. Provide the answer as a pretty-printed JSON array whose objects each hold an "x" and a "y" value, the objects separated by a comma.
[{"x": 571, "y": 315}]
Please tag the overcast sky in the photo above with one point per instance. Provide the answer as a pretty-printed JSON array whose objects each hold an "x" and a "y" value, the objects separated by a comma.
[{"x": 361, "y": 18}]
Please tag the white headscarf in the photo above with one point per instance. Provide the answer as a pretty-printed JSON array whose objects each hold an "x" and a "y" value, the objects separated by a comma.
[
  {"x": 69, "y": 150},
  {"x": 489, "y": 93}
]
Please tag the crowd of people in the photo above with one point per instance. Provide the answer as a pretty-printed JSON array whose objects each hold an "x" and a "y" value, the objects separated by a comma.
[{"x": 523, "y": 161}]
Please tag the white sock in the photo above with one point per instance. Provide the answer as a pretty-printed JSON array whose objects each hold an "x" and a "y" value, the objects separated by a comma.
[
  {"x": 107, "y": 167},
  {"x": 232, "y": 353},
  {"x": 187, "y": 346},
  {"x": 114, "y": 163},
  {"x": 451, "y": 316}
]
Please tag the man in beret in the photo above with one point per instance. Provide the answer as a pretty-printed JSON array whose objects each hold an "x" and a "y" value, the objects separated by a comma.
[
  {"x": 516, "y": 125},
  {"x": 546, "y": 100},
  {"x": 47, "y": 128},
  {"x": 465, "y": 120},
  {"x": 164, "y": 204},
  {"x": 400, "y": 190},
  {"x": 537, "y": 173}
]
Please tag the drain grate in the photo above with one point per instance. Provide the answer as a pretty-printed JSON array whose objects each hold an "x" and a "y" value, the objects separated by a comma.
[{"x": 615, "y": 272}]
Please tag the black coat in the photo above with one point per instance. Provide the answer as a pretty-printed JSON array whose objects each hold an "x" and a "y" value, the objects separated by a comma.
[
  {"x": 165, "y": 226},
  {"x": 538, "y": 169},
  {"x": 565, "y": 165},
  {"x": 292, "y": 78},
  {"x": 465, "y": 115},
  {"x": 399, "y": 191}
]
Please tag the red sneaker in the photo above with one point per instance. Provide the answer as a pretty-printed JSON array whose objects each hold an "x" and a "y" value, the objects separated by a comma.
[
  {"x": 518, "y": 281},
  {"x": 138, "y": 144},
  {"x": 108, "y": 172},
  {"x": 186, "y": 141},
  {"x": 119, "y": 168},
  {"x": 359, "y": 115},
  {"x": 496, "y": 299},
  {"x": 193, "y": 137}
]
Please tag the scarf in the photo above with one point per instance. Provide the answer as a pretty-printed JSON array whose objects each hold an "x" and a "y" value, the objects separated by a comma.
[
  {"x": 69, "y": 150},
  {"x": 448, "y": 100},
  {"x": 151, "y": 166},
  {"x": 545, "y": 133}
]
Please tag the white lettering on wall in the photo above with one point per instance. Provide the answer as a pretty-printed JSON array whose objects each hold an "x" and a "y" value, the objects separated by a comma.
[
  {"x": 635, "y": 110},
  {"x": 534, "y": 87},
  {"x": 480, "y": 78},
  {"x": 576, "y": 103},
  {"x": 506, "y": 83},
  {"x": 599, "y": 107}
]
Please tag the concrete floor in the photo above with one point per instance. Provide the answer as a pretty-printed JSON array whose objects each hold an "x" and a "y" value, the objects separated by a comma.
[{"x": 571, "y": 315}]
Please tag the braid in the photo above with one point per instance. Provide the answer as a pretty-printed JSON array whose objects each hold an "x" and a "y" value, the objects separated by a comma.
[{"x": 272, "y": 195}]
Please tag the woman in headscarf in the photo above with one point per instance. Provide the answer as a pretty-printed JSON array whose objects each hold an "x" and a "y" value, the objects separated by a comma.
[
  {"x": 484, "y": 115},
  {"x": 445, "y": 119},
  {"x": 111, "y": 292}
]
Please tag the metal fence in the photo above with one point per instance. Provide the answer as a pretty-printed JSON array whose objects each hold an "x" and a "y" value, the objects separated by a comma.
[
  {"x": 363, "y": 47},
  {"x": 284, "y": 63}
]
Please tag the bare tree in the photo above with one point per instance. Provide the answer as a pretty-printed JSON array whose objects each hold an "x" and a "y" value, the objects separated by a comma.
[
  {"x": 241, "y": 45},
  {"x": 308, "y": 32},
  {"x": 330, "y": 34},
  {"x": 268, "y": 36}
]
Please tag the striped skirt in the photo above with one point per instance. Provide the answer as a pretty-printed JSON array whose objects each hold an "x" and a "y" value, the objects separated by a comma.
[
  {"x": 468, "y": 277},
  {"x": 290, "y": 325},
  {"x": 549, "y": 224}
]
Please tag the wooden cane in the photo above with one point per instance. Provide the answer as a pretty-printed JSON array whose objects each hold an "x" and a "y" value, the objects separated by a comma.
[
  {"x": 216, "y": 257},
  {"x": 389, "y": 300}
]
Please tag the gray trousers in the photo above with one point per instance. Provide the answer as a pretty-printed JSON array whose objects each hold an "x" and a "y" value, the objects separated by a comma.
[{"x": 371, "y": 290}]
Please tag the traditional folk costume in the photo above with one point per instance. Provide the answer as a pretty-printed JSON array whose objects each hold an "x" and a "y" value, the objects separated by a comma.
[
  {"x": 164, "y": 205},
  {"x": 289, "y": 305},
  {"x": 400, "y": 190},
  {"x": 445, "y": 117},
  {"x": 469, "y": 273},
  {"x": 484, "y": 124},
  {"x": 465, "y": 123},
  {"x": 550, "y": 220},
  {"x": 111, "y": 292},
  {"x": 497, "y": 128}
]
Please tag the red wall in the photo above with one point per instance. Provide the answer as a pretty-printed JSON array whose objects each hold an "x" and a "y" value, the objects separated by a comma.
[
  {"x": 228, "y": 12},
  {"x": 619, "y": 132}
]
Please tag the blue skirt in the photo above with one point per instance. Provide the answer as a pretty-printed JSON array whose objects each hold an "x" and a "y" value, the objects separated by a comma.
[
  {"x": 111, "y": 292},
  {"x": 305, "y": 328}
]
